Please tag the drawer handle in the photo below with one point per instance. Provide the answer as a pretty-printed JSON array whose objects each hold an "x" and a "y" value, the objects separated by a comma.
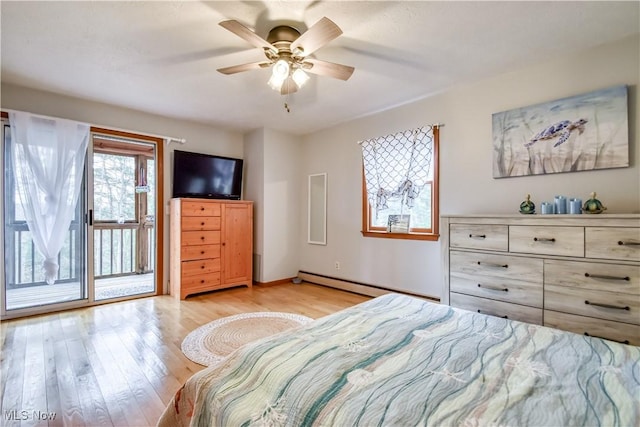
[
  {"x": 202, "y": 266},
  {"x": 602, "y": 276},
  {"x": 201, "y": 252},
  {"x": 492, "y": 264},
  {"x": 201, "y": 237},
  {"x": 544, "y": 239},
  {"x": 202, "y": 281},
  {"x": 479, "y": 236},
  {"x": 490, "y": 314},
  {"x": 604, "y": 338},
  {"x": 201, "y": 208},
  {"x": 202, "y": 223},
  {"x": 493, "y": 288},
  {"x": 617, "y": 307},
  {"x": 622, "y": 242}
]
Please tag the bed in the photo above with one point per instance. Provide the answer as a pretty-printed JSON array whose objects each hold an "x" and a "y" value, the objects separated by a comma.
[{"x": 401, "y": 361}]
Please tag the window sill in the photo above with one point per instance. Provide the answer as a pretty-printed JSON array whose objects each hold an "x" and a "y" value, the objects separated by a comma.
[{"x": 406, "y": 236}]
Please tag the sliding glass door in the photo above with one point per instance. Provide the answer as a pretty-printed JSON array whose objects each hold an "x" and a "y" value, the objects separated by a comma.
[
  {"x": 110, "y": 247},
  {"x": 24, "y": 278},
  {"x": 123, "y": 216}
]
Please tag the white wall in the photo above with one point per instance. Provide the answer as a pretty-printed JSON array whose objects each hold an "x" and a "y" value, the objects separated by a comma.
[
  {"x": 274, "y": 159},
  {"x": 254, "y": 190},
  {"x": 281, "y": 202},
  {"x": 200, "y": 138},
  {"x": 466, "y": 182}
]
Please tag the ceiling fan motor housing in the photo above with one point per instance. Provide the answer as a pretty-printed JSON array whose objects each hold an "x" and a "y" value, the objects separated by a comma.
[
  {"x": 281, "y": 37},
  {"x": 283, "y": 33}
]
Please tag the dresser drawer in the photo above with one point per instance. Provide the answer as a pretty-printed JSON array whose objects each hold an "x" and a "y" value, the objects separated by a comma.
[
  {"x": 471, "y": 236},
  {"x": 601, "y": 304},
  {"x": 614, "y": 331},
  {"x": 189, "y": 253},
  {"x": 193, "y": 223},
  {"x": 505, "y": 278},
  {"x": 594, "y": 276},
  {"x": 563, "y": 241},
  {"x": 190, "y": 238},
  {"x": 200, "y": 208},
  {"x": 205, "y": 282},
  {"x": 617, "y": 243},
  {"x": 200, "y": 267},
  {"x": 497, "y": 308}
]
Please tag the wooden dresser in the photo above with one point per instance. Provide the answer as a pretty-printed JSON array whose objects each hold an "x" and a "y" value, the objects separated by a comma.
[
  {"x": 579, "y": 273},
  {"x": 211, "y": 245}
]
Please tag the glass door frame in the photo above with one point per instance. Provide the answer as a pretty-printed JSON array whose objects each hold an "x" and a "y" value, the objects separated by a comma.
[
  {"x": 159, "y": 211},
  {"x": 87, "y": 199},
  {"x": 136, "y": 149}
]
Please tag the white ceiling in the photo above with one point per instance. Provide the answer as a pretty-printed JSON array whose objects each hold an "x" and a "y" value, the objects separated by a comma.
[{"x": 161, "y": 57}]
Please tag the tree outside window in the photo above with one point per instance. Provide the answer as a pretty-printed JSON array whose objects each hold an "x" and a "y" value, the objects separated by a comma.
[{"x": 114, "y": 187}]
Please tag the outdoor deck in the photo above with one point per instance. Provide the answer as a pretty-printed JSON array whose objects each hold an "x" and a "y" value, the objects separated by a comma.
[{"x": 111, "y": 287}]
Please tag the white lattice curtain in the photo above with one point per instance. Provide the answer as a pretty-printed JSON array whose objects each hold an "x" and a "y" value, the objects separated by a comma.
[
  {"x": 397, "y": 166},
  {"x": 48, "y": 162}
]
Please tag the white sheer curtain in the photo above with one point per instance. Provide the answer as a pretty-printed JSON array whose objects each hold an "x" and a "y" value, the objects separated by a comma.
[{"x": 48, "y": 161}]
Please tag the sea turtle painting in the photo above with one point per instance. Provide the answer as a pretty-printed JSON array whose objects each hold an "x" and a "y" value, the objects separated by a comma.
[{"x": 562, "y": 130}]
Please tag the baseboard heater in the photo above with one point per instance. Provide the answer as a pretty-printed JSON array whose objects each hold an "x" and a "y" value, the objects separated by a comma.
[{"x": 351, "y": 286}]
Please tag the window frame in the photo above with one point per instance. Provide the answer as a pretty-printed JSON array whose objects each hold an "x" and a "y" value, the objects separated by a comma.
[{"x": 431, "y": 234}]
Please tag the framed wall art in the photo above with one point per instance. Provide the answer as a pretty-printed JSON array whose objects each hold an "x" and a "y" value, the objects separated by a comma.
[{"x": 578, "y": 133}]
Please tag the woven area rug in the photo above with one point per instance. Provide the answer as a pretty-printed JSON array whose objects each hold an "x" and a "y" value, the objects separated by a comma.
[{"x": 210, "y": 343}]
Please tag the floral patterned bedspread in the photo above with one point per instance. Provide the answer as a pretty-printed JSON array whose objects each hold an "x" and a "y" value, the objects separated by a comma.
[{"x": 401, "y": 361}]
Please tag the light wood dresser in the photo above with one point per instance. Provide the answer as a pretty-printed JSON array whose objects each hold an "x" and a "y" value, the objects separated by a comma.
[
  {"x": 579, "y": 273},
  {"x": 211, "y": 245}
]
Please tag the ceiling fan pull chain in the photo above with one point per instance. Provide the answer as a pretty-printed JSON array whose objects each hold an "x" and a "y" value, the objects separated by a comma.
[{"x": 286, "y": 100}]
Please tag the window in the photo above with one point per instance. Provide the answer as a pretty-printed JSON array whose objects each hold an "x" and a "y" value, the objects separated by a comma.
[
  {"x": 408, "y": 163},
  {"x": 114, "y": 187}
]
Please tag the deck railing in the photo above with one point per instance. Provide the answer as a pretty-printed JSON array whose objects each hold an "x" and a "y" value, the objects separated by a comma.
[
  {"x": 115, "y": 253},
  {"x": 116, "y": 249},
  {"x": 27, "y": 266}
]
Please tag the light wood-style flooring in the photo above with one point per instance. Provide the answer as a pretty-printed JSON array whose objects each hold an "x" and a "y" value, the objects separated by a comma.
[{"x": 120, "y": 364}]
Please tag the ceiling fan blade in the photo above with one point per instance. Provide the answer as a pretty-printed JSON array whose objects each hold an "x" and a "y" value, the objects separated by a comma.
[
  {"x": 288, "y": 86},
  {"x": 320, "y": 33},
  {"x": 325, "y": 68},
  {"x": 241, "y": 31},
  {"x": 244, "y": 67}
]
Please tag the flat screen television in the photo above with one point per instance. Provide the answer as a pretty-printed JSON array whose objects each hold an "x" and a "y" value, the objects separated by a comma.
[{"x": 206, "y": 176}]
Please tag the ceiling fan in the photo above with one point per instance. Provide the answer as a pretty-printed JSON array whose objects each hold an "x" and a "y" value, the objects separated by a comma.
[{"x": 288, "y": 52}]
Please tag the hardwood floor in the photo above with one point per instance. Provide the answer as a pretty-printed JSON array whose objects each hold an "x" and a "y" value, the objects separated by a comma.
[{"x": 120, "y": 364}]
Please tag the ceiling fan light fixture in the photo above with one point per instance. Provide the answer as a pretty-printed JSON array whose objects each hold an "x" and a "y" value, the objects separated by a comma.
[
  {"x": 279, "y": 73},
  {"x": 300, "y": 77},
  {"x": 280, "y": 69},
  {"x": 276, "y": 82}
]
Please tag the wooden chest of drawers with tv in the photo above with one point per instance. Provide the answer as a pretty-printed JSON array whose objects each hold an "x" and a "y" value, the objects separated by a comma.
[
  {"x": 579, "y": 273},
  {"x": 211, "y": 245}
]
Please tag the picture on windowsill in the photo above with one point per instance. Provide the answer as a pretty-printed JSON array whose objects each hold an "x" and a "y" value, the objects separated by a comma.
[{"x": 398, "y": 224}]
